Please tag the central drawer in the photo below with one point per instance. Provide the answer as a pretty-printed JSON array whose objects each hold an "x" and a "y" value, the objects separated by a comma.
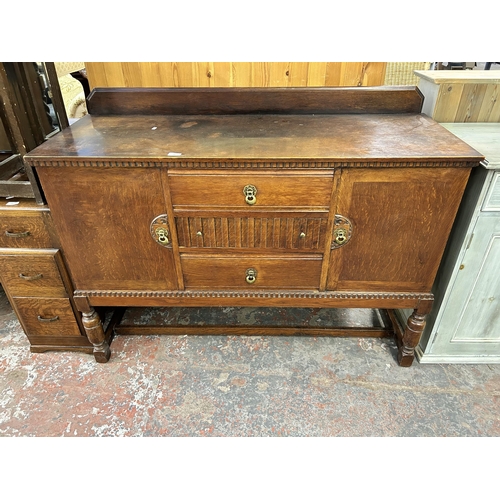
[
  {"x": 251, "y": 272},
  {"x": 251, "y": 189},
  {"x": 296, "y": 232}
]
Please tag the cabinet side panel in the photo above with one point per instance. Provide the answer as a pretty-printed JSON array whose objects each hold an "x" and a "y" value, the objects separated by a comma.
[{"x": 103, "y": 216}]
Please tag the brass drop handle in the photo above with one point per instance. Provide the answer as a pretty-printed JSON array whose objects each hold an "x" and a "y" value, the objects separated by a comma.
[
  {"x": 17, "y": 235},
  {"x": 251, "y": 276},
  {"x": 162, "y": 236},
  {"x": 340, "y": 236},
  {"x": 47, "y": 320},
  {"x": 250, "y": 193},
  {"x": 31, "y": 278}
]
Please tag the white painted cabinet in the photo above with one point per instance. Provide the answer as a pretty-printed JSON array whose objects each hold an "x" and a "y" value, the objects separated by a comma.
[{"x": 464, "y": 326}]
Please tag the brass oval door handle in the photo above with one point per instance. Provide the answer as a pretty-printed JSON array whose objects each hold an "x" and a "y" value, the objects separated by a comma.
[
  {"x": 47, "y": 320},
  {"x": 251, "y": 275},
  {"x": 31, "y": 278},
  {"x": 22, "y": 234},
  {"x": 250, "y": 193}
]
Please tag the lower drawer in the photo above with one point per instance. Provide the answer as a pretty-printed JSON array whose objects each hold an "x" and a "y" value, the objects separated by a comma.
[
  {"x": 283, "y": 272},
  {"x": 47, "y": 317}
]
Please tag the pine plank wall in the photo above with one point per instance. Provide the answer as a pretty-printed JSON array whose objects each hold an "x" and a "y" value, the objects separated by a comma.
[{"x": 235, "y": 74}]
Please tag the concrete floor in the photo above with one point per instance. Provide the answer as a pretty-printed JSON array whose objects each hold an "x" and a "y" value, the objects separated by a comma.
[{"x": 239, "y": 386}]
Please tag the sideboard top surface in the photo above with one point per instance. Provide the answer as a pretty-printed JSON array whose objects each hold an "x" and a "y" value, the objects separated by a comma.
[{"x": 362, "y": 137}]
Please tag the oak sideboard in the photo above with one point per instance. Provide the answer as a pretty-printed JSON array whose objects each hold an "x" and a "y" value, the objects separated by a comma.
[{"x": 283, "y": 198}]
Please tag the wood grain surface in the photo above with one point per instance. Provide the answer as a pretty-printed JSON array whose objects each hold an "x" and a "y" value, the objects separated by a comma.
[
  {"x": 235, "y": 74},
  {"x": 283, "y": 100},
  {"x": 104, "y": 229},
  {"x": 402, "y": 219},
  {"x": 176, "y": 139},
  {"x": 35, "y": 313},
  {"x": 32, "y": 273}
]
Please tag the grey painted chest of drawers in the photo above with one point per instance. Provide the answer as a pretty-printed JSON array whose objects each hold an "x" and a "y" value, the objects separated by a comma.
[{"x": 464, "y": 326}]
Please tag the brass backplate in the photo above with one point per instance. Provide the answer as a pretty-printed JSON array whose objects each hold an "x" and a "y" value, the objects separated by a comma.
[
  {"x": 342, "y": 231},
  {"x": 160, "y": 231}
]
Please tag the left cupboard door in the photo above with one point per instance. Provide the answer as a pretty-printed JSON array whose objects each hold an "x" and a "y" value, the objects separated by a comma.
[{"x": 103, "y": 218}]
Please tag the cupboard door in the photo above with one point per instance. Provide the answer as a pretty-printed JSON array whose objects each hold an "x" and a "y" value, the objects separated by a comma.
[
  {"x": 103, "y": 217},
  {"x": 470, "y": 324},
  {"x": 401, "y": 219}
]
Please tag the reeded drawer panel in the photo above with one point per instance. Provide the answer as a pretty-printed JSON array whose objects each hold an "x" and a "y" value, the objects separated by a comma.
[
  {"x": 47, "y": 317},
  {"x": 32, "y": 273},
  {"x": 271, "y": 190},
  {"x": 492, "y": 200},
  {"x": 23, "y": 229},
  {"x": 284, "y": 233},
  {"x": 283, "y": 272}
]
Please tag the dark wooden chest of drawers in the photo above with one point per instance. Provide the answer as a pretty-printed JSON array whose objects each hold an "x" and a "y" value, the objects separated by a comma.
[
  {"x": 289, "y": 198},
  {"x": 35, "y": 279}
]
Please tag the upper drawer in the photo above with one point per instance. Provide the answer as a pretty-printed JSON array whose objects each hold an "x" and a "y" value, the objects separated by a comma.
[
  {"x": 34, "y": 274},
  {"x": 24, "y": 229},
  {"x": 286, "y": 189}
]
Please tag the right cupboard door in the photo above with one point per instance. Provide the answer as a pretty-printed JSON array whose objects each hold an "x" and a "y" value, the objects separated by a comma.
[{"x": 401, "y": 219}]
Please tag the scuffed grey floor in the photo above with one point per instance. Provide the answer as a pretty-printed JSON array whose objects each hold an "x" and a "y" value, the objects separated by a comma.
[{"x": 239, "y": 386}]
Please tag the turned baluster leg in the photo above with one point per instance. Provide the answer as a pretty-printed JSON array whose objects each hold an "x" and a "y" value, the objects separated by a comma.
[
  {"x": 95, "y": 332},
  {"x": 412, "y": 333}
]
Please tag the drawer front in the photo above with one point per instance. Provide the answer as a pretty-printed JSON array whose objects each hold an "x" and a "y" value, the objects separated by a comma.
[
  {"x": 492, "y": 200},
  {"x": 32, "y": 275},
  {"x": 290, "y": 189},
  {"x": 23, "y": 230},
  {"x": 284, "y": 272},
  {"x": 47, "y": 317},
  {"x": 283, "y": 233}
]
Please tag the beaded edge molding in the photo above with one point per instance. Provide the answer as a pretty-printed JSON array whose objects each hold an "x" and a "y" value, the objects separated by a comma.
[
  {"x": 256, "y": 294},
  {"x": 33, "y": 162}
]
